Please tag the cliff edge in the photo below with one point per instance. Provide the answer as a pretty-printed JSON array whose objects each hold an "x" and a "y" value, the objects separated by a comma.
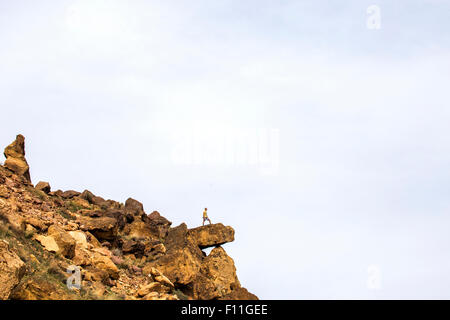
[{"x": 77, "y": 245}]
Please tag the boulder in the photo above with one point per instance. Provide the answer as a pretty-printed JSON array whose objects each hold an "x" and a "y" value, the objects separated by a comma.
[
  {"x": 65, "y": 241},
  {"x": 159, "y": 226},
  {"x": 212, "y": 235},
  {"x": 134, "y": 207},
  {"x": 80, "y": 238},
  {"x": 182, "y": 260},
  {"x": 217, "y": 276},
  {"x": 15, "y": 158},
  {"x": 12, "y": 269},
  {"x": 105, "y": 263},
  {"x": 43, "y": 186},
  {"x": 48, "y": 242},
  {"x": 103, "y": 228},
  {"x": 40, "y": 289}
]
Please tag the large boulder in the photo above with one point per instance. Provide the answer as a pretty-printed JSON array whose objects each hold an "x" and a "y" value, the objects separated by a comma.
[
  {"x": 217, "y": 276},
  {"x": 65, "y": 241},
  {"x": 15, "y": 158},
  {"x": 12, "y": 269},
  {"x": 48, "y": 242},
  {"x": 159, "y": 226},
  {"x": 134, "y": 207},
  {"x": 103, "y": 228},
  {"x": 105, "y": 264},
  {"x": 212, "y": 235},
  {"x": 182, "y": 260}
]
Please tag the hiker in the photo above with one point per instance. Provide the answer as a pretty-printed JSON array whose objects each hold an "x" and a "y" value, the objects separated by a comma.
[{"x": 205, "y": 216}]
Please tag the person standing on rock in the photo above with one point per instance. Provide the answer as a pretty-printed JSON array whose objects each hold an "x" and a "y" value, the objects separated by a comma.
[{"x": 205, "y": 216}]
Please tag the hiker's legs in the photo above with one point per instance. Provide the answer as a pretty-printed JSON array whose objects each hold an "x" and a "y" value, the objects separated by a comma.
[
  {"x": 209, "y": 221},
  {"x": 204, "y": 219}
]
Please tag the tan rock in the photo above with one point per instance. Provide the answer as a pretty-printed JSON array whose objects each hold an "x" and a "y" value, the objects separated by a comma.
[
  {"x": 152, "y": 287},
  {"x": 212, "y": 235},
  {"x": 217, "y": 276},
  {"x": 39, "y": 289},
  {"x": 15, "y": 158},
  {"x": 65, "y": 242},
  {"x": 12, "y": 269},
  {"x": 80, "y": 238},
  {"x": 48, "y": 243},
  {"x": 138, "y": 229},
  {"x": 105, "y": 263},
  {"x": 183, "y": 258}
]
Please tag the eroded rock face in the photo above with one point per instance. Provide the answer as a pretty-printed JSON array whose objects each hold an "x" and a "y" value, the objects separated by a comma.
[
  {"x": 12, "y": 269},
  {"x": 15, "y": 158},
  {"x": 217, "y": 276},
  {"x": 212, "y": 235},
  {"x": 182, "y": 260}
]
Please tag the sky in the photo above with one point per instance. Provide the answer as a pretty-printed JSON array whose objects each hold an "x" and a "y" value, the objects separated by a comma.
[{"x": 322, "y": 140}]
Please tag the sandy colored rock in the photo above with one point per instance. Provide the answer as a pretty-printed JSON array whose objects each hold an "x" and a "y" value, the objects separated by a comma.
[
  {"x": 217, "y": 274},
  {"x": 12, "y": 269},
  {"x": 183, "y": 258},
  {"x": 105, "y": 263},
  {"x": 39, "y": 289},
  {"x": 64, "y": 240},
  {"x": 212, "y": 235},
  {"x": 15, "y": 158},
  {"x": 80, "y": 238},
  {"x": 152, "y": 287},
  {"x": 48, "y": 243}
]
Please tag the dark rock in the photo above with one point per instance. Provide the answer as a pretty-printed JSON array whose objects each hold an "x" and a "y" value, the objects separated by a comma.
[
  {"x": 134, "y": 207},
  {"x": 70, "y": 194}
]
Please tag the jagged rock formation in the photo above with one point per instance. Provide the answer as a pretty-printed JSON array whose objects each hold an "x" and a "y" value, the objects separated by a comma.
[
  {"x": 121, "y": 252},
  {"x": 15, "y": 158}
]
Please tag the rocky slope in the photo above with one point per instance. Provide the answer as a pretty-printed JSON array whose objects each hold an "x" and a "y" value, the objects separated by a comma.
[{"x": 121, "y": 251}]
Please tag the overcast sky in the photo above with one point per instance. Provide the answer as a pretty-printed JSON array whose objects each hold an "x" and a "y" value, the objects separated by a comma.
[{"x": 324, "y": 143}]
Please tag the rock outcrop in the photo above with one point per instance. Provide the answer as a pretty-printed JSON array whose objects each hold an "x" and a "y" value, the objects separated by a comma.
[
  {"x": 212, "y": 235},
  {"x": 15, "y": 158},
  {"x": 120, "y": 251}
]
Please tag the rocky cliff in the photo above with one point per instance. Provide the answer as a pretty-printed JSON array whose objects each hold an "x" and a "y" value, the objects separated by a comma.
[{"x": 116, "y": 250}]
